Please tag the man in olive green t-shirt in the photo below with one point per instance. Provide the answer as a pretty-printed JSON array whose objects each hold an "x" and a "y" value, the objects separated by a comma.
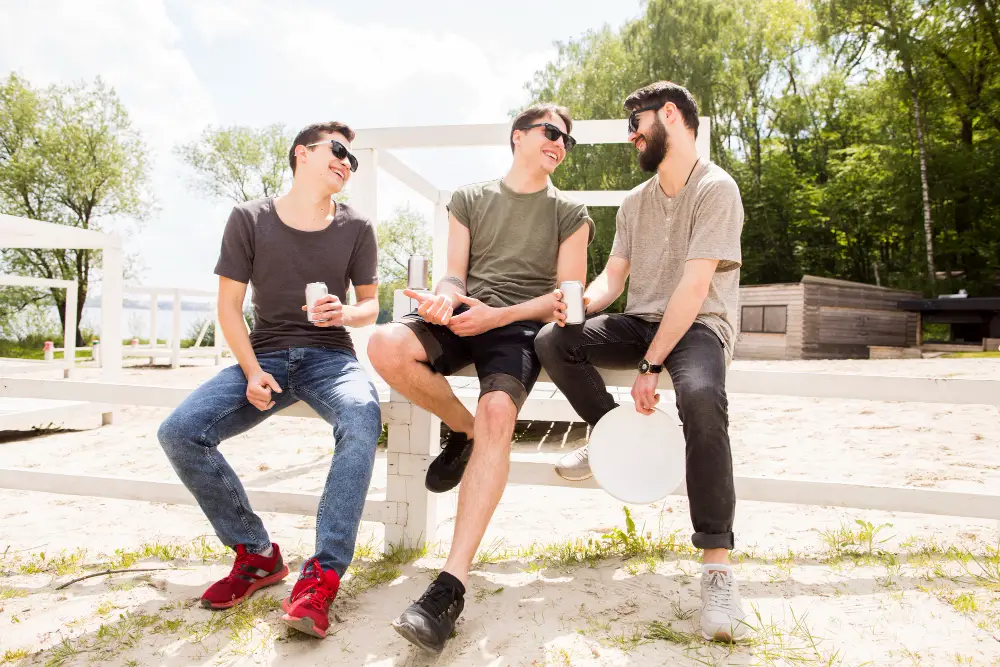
[{"x": 510, "y": 242}]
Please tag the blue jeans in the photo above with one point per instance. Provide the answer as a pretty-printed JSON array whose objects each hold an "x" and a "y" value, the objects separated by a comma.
[{"x": 337, "y": 387}]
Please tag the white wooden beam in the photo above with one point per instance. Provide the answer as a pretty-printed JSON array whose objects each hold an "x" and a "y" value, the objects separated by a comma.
[
  {"x": 363, "y": 187},
  {"x": 808, "y": 492},
  {"x": 122, "y": 488},
  {"x": 111, "y": 309},
  {"x": 609, "y": 131},
  {"x": 31, "y": 281},
  {"x": 408, "y": 176},
  {"x": 18, "y": 232},
  {"x": 152, "y": 290}
]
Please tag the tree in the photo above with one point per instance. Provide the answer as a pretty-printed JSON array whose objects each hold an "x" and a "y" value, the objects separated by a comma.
[
  {"x": 239, "y": 163},
  {"x": 399, "y": 237},
  {"x": 68, "y": 155}
]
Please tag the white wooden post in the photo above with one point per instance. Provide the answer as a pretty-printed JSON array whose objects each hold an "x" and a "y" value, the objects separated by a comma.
[
  {"x": 69, "y": 335},
  {"x": 364, "y": 183},
  {"x": 218, "y": 336},
  {"x": 414, "y": 438},
  {"x": 440, "y": 239},
  {"x": 154, "y": 305},
  {"x": 175, "y": 353},
  {"x": 111, "y": 311}
]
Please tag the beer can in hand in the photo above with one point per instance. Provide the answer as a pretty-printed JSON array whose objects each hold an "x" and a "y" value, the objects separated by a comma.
[
  {"x": 572, "y": 296},
  {"x": 314, "y": 292}
]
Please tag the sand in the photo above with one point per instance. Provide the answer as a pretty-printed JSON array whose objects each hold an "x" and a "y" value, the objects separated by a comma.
[{"x": 899, "y": 607}]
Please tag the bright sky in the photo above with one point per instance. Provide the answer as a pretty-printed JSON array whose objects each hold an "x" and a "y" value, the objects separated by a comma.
[{"x": 179, "y": 65}]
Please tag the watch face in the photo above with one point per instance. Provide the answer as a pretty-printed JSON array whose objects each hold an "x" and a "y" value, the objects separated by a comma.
[{"x": 643, "y": 366}]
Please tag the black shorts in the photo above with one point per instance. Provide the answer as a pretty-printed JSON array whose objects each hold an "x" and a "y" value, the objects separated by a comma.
[{"x": 505, "y": 357}]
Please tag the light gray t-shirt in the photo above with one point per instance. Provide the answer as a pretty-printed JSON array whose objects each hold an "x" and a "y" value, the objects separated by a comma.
[{"x": 657, "y": 234}]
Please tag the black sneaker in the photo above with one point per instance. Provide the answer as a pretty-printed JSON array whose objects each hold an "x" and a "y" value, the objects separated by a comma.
[
  {"x": 429, "y": 622},
  {"x": 445, "y": 472}
]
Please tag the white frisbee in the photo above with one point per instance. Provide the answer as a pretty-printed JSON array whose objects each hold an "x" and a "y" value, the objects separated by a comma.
[{"x": 637, "y": 458}]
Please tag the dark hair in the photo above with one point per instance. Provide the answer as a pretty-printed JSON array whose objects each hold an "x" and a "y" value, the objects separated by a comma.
[
  {"x": 536, "y": 111},
  {"x": 312, "y": 133},
  {"x": 660, "y": 93}
]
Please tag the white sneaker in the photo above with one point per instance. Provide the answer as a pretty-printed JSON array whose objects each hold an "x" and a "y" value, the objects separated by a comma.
[
  {"x": 722, "y": 615},
  {"x": 574, "y": 466}
]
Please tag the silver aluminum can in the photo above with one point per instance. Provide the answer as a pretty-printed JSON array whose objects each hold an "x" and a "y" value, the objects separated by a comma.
[
  {"x": 416, "y": 272},
  {"x": 572, "y": 296},
  {"x": 314, "y": 292}
]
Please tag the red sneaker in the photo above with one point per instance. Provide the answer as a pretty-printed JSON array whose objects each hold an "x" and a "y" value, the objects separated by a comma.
[
  {"x": 250, "y": 573},
  {"x": 307, "y": 608}
]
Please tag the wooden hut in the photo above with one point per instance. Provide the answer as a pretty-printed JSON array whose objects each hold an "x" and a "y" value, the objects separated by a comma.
[{"x": 821, "y": 318}]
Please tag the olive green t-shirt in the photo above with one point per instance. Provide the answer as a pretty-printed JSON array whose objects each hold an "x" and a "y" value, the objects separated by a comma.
[{"x": 514, "y": 239}]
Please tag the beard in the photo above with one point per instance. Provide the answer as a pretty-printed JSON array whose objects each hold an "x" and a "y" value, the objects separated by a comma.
[{"x": 657, "y": 145}]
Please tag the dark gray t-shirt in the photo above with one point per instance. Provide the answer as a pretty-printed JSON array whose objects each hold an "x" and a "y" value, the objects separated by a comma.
[{"x": 278, "y": 261}]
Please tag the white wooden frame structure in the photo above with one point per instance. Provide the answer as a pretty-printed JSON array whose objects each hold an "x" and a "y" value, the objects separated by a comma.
[
  {"x": 409, "y": 512},
  {"x": 68, "y": 362},
  {"x": 173, "y": 348}
]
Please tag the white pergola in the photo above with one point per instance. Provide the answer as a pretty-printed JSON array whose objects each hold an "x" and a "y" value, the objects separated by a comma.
[{"x": 373, "y": 149}]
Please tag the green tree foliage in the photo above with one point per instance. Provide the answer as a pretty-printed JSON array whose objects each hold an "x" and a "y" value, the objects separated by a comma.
[
  {"x": 68, "y": 155},
  {"x": 399, "y": 237},
  {"x": 240, "y": 163},
  {"x": 864, "y": 134}
]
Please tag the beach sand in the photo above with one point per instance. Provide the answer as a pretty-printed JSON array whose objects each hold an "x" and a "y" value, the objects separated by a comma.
[{"x": 822, "y": 588}]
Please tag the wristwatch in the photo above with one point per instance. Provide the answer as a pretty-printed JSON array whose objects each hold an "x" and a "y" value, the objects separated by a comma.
[{"x": 645, "y": 368}]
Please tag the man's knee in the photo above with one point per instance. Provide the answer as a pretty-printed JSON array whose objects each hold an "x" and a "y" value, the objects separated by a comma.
[
  {"x": 390, "y": 346},
  {"x": 497, "y": 410},
  {"x": 701, "y": 395},
  {"x": 174, "y": 434},
  {"x": 550, "y": 343}
]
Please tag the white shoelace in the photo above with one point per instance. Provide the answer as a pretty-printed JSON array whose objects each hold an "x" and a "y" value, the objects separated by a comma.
[{"x": 719, "y": 587}]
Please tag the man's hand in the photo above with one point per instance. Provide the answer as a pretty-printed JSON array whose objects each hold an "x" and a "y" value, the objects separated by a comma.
[
  {"x": 328, "y": 310},
  {"x": 559, "y": 314},
  {"x": 259, "y": 388},
  {"x": 644, "y": 393},
  {"x": 479, "y": 318},
  {"x": 434, "y": 308}
]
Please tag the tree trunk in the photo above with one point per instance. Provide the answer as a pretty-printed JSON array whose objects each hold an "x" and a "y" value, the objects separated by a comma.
[{"x": 925, "y": 189}]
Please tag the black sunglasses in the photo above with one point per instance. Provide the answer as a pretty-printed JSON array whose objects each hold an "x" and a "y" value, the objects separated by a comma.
[
  {"x": 633, "y": 118},
  {"x": 339, "y": 151},
  {"x": 552, "y": 133}
]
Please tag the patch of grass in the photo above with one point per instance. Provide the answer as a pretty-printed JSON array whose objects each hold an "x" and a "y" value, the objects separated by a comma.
[
  {"x": 9, "y": 593},
  {"x": 381, "y": 570},
  {"x": 627, "y": 640},
  {"x": 847, "y": 543},
  {"x": 66, "y": 562},
  {"x": 106, "y": 607},
  {"x": 494, "y": 553},
  {"x": 773, "y": 645},
  {"x": 169, "y": 626},
  {"x": 13, "y": 656},
  {"x": 60, "y": 653},
  {"x": 239, "y": 622},
  {"x": 666, "y": 632},
  {"x": 679, "y": 612},
  {"x": 965, "y": 603},
  {"x": 484, "y": 593}
]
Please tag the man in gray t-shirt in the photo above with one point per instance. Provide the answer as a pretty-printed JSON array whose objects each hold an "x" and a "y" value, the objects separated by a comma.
[
  {"x": 678, "y": 240},
  {"x": 297, "y": 351}
]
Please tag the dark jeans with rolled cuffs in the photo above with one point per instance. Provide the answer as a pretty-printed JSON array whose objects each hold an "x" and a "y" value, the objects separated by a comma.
[{"x": 697, "y": 367}]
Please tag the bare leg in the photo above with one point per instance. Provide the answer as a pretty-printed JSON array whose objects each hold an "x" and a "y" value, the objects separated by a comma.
[
  {"x": 400, "y": 359},
  {"x": 484, "y": 480}
]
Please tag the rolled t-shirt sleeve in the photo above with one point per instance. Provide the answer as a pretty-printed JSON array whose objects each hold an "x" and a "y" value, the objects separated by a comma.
[
  {"x": 364, "y": 262},
  {"x": 717, "y": 226},
  {"x": 572, "y": 216},
  {"x": 620, "y": 246},
  {"x": 460, "y": 206},
  {"x": 236, "y": 255}
]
